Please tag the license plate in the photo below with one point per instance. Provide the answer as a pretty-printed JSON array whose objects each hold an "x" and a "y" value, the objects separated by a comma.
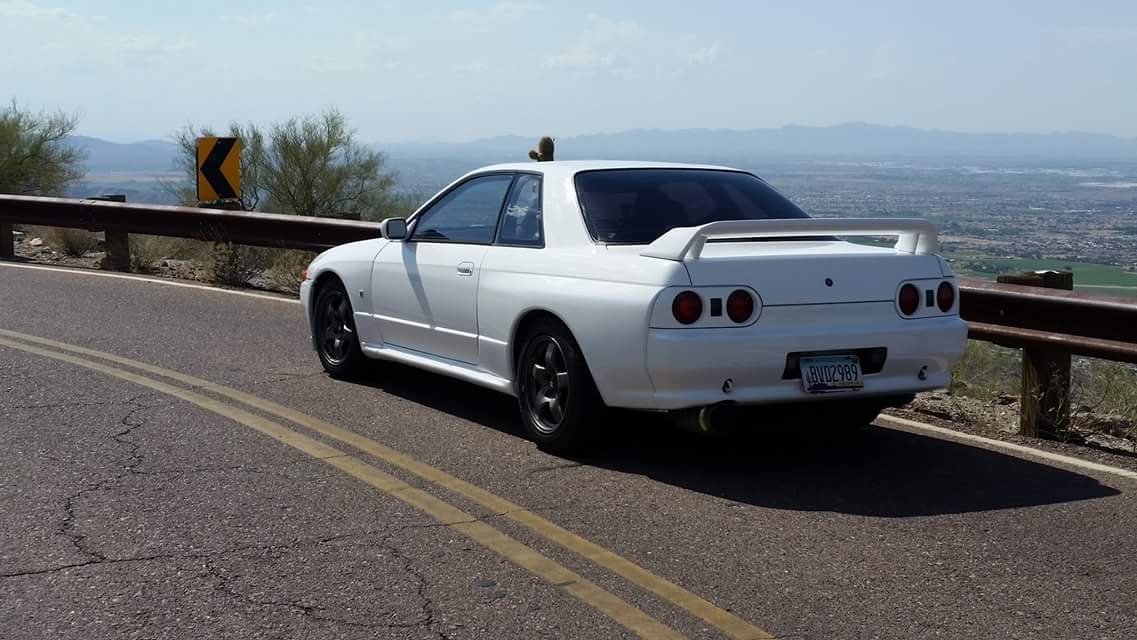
[{"x": 824, "y": 374}]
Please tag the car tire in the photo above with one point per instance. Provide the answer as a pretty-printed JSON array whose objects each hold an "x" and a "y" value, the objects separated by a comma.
[
  {"x": 336, "y": 340},
  {"x": 560, "y": 405}
]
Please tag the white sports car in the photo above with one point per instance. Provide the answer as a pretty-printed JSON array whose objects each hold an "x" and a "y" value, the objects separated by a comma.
[{"x": 576, "y": 286}]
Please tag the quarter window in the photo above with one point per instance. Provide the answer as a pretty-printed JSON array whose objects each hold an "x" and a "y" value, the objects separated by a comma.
[
  {"x": 468, "y": 214},
  {"x": 521, "y": 221}
]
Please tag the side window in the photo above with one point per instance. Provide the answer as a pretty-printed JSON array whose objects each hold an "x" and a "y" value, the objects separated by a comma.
[
  {"x": 521, "y": 223},
  {"x": 468, "y": 214}
]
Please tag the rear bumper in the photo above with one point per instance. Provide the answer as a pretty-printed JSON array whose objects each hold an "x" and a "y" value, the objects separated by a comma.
[{"x": 688, "y": 367}]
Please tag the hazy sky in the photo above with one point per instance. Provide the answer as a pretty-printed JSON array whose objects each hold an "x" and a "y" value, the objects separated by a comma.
[{"x": 458, "y": 70}]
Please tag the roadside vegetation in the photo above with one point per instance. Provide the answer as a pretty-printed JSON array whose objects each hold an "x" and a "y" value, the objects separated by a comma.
[
  {"x": 35, "y": 159},
  {"x": 985, "y": 391},
  {"x": 310, "y": 165}
]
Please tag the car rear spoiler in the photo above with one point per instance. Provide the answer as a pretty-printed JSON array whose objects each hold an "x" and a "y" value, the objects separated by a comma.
[{"x": 914, "y": 236}]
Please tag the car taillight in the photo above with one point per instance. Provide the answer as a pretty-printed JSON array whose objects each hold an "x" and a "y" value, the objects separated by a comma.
[
  {"x": 945, "y": 296},
  {"x": 687, "y": 307},
  {"x": 909, "y": 299},
  {"x": 739, "y": 306}
]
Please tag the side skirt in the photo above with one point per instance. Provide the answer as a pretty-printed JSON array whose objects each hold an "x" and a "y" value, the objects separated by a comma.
[{"x": 444, "y": 366}]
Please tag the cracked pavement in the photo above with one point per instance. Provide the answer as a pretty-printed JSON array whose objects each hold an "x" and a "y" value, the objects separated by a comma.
[
  {"x": 127, "y": 514},
  {"x": 135, "y": 516}
]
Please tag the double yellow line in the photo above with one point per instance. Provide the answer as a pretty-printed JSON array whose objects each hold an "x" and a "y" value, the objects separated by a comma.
[{"x": 556, "y": 574}]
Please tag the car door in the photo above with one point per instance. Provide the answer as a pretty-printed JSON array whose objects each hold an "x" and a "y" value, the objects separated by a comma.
[{"x": 425, "y": 289}]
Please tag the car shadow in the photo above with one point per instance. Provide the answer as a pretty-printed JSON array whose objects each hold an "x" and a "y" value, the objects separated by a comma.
[{"x": 880, "y": 472}]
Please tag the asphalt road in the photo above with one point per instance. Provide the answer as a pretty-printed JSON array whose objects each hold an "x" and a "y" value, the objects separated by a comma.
[{"x": 134, "y": 504}]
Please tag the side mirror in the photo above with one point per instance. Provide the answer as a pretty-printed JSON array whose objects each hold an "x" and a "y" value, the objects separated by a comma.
[{"x": 393, "y": 228}]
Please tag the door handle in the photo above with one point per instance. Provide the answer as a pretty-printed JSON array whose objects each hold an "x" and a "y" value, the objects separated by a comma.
[{"x": 465, "y": 268}]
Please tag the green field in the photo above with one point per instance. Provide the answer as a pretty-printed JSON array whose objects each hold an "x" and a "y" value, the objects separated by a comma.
[{"x": 1105, "y": 279}]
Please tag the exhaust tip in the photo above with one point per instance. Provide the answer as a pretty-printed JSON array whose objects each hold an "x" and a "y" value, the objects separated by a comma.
[
  {"x": 707, "y": 420},
  {"x": 711, "y": 417}
]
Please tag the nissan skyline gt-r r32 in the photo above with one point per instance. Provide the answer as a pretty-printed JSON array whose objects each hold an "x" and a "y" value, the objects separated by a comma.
[{"x": 576, "y": 286}]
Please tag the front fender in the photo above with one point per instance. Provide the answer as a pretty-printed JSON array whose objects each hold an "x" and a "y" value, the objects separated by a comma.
[{"x": 351, "y": 264}]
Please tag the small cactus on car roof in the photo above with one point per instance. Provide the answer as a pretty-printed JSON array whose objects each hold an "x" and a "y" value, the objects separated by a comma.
[{"x": 544, "y": 150}]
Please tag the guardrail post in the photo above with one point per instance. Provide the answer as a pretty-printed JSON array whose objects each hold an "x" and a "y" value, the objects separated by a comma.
[
  {"x": 7, "y": 242},
  {"x": 1046, "y": 374},
  {"x": 116, "y": 243}
]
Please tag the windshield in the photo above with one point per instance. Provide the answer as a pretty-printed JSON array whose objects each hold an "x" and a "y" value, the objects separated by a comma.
[{"x": 636, "y": 206}]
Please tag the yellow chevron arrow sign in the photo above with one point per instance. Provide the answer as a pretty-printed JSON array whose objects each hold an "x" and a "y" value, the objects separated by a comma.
[{"x": 218, "y": 168}]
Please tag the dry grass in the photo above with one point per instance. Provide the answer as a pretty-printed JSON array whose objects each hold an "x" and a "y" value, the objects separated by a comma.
[
  {"x": 987, "y": 371},
  {"x": 235, "y": 265},
  {"x": 71, "y": 242},
  {"x": 147, "y": 252},
  {"x": 1102, "y": 398},
  {"x": 286, "y": 270}
]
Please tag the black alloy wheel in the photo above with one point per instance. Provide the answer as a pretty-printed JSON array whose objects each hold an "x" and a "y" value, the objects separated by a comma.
[
  {"x": 336, "y": 340},
  {"x": 558, "y": 399}
]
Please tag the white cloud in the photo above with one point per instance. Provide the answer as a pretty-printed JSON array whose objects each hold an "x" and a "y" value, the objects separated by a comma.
[
  {"x": 495, "y": 14},
  {"x": 601, "y": 28},
  {"x": 704, "y": 55},
  {"x": 616, "y": 47},
  {"x": 251, "y": 20},
  {"x": 365, "y": 51},
  {"x": 150, "y": 44},
  {"x": 586, "y": 58},
  {"x": 25, "y": 9},
  {"x": 606, "y": 46}
]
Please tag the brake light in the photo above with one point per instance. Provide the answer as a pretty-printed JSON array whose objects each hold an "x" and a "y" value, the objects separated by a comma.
[
  {"x": 687, "y": 307},
  {"x": 739, "y": 306},
  {"x": 909, "y": 299},
  {"x": 945, "y": 296}
]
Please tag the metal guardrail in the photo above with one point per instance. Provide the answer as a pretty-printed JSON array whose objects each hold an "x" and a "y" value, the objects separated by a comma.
[
  {"x": 1048, "y": 324},
  {"x": 1068, "y": 321},
  {"x": 238, "y": 227}
]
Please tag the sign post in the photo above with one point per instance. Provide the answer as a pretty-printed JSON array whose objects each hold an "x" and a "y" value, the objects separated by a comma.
[{"x": 218, "y": 170}]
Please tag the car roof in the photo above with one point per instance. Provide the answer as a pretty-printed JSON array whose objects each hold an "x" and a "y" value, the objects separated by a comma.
[{"x": 565, "y": 168}]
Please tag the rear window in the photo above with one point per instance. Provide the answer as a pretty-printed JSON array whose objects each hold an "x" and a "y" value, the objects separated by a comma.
[{"x": 636, "y": 206}]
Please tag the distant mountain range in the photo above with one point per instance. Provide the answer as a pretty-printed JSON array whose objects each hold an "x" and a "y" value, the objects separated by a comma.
[
  {"x": 846, "y": 140},
  {"x": 144, "y": 156}
]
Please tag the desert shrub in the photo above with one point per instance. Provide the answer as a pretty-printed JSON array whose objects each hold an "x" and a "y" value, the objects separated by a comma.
[
  {"x": 235, "y": 265},
  {"x": 286, "y": 270},
  {"x": 1104, "y": 397},
  {"x": 147, "y": 252},
  {"x": 72, "y": 242}
]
